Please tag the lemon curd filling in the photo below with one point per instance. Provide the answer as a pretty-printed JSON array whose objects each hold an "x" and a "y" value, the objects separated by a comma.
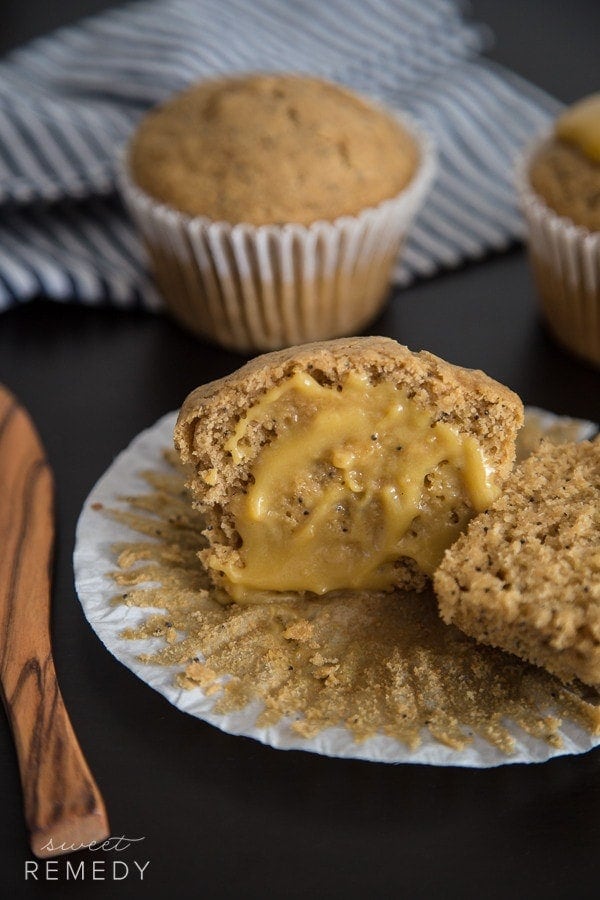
[
  {"x": 580, "y": 126},
  {"x": 351, "y": 480}
]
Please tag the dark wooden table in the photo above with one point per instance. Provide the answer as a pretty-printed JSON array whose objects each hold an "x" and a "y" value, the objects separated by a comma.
[{"x": 223, "y": 816}]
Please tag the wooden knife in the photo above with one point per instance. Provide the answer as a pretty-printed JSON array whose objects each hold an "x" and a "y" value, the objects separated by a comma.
[{"x": 63, "y": 806}]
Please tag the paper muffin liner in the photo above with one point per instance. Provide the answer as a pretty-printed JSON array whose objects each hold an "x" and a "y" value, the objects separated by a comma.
[
  {"x": 263, "y": 287},
  {"x": 94, "y": 561},
  {"x": 565, "y": 259}
]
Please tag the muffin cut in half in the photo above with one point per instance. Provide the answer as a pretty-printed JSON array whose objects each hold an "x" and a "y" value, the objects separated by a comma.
[
  {"x": 526, "y": 575},
  {"x": 348, "y": 464}
]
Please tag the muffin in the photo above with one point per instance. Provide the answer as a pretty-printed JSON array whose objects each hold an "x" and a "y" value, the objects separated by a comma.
[
  {"x": 526, "y": 575},
  {"x": 345, "y": 464},
  {"x": 273, "y": 206},
  {"x": 560, "y": 188}
]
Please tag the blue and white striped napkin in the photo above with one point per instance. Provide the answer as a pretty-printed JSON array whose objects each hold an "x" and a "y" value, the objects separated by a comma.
[{"x": 69, "y": 101}]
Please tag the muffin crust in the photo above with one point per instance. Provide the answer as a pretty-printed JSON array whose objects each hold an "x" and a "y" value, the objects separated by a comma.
[
  {"x": 271, "y": 149},
  {"x": 468, "y": 402},
  {"x": 568, "y": 181}
]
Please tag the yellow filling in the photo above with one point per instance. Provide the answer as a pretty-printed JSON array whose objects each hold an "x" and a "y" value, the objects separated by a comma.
[
  {"x": 580, "y": 126},
  {"x": 353, "y": 480}
]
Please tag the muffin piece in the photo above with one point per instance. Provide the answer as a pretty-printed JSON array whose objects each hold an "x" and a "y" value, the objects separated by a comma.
[
  {"x": 273, "y": 206},
  {"x": 526, "y": 575},
  {"x": 561, "y": 200},
  {"x": 271, "y": 149},
  {"x": 343, "y": 464}
]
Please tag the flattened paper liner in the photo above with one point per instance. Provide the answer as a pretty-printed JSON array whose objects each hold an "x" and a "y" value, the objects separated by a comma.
[{"x": 94, "y": 560}]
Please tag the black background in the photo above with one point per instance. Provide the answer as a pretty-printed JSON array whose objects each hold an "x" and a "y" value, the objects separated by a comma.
[{"x": 224, "y": 817}]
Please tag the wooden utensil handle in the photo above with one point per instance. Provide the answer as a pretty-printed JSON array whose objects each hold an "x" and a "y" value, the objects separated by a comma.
[{"x": 63, "y": 806}]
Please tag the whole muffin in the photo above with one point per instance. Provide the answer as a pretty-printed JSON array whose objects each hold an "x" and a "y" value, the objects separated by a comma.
[
  {"x": 561, "y": 193},
  {"x": 273, "y": 206}
]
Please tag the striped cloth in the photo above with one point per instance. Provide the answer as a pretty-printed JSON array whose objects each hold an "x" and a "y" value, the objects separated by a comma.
[{"x": 69, "y": 101}]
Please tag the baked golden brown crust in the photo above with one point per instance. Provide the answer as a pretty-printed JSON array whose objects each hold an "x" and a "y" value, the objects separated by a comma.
[
  {"x": 467, "y": 400},
  {"x": 568, "y": 181},
  {"x": 525, "y": 576},
  {"x": 271, "y": 149}
]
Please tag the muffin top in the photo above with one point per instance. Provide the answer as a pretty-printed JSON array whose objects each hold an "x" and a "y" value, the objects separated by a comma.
[
  {"x": 270, "y": 149},
  {"x": 565, "y": 171}
]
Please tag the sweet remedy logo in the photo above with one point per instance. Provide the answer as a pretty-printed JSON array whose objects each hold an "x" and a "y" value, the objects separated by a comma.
[{"x": 65, "y": 869}]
